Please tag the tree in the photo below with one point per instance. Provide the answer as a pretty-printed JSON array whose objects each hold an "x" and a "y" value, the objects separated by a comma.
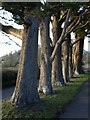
[
  {"x": 71, "y": 71},
  {"x": 78, "y": 55},
  {"x": 74, "y": 24},
  {"x": 25, "y": 92},
  {"x": 57, "y": 76},
  {"x": 66, "y": 46},
  {"x": 71, "y": 23},
  {"x": 45, "y": 85}
]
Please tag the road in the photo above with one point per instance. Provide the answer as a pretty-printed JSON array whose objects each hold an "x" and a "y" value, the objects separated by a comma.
[{"x": 78, "y": 108}]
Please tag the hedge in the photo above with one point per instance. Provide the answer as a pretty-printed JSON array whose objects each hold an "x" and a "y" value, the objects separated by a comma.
[{"x": 9, "y": 76}]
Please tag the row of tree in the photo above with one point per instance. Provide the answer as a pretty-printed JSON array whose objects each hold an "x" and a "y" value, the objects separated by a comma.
[{"x": 60, "y": 57}]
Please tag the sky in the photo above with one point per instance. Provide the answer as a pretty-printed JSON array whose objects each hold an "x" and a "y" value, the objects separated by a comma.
[
  {"x": 7, "y": 42},
  {"x": 7, "y": 46}
]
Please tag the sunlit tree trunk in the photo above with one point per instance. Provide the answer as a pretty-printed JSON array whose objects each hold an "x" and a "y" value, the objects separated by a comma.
[
  {"x": 78, "y": 54},
  {"x": 57, "y": 76},
  {"x": 26, "y": 92},
  {"x": 45, "y": 85},
  {"x": 65, "y": 51}
]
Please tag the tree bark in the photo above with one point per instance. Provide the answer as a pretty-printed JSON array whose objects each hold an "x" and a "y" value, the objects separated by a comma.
[
  {"x": 61, "y": 39},
  {"x": 66, "y": 45},
  {"x": 78, "y": 54},
  {"x": 45, "y": 85},
  {"x": 70, "y": 62},
  {"x": 12, "y": 31},
  {"x": 57, "y": 76},
  {"x": 26, "y": 92}
]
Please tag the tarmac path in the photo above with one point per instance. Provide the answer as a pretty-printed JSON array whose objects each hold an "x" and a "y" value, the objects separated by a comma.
[{"x": 78, "y": 108}]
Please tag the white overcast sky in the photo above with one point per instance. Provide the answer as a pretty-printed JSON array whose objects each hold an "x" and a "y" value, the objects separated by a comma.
[{"x": 11, "y": 46}]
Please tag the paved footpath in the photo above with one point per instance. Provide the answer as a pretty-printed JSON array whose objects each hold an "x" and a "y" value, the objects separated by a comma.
[{"x": 78, "y": 108}]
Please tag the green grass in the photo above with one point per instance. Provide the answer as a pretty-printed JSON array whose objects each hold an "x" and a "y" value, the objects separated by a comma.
[{"x": 51, "y": 105}]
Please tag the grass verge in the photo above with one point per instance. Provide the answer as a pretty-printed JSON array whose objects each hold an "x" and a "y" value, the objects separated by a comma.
[{"x": 50, "y": 106}]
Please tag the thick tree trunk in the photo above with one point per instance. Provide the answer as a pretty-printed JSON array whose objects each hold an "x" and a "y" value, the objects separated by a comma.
[
  {"x": 57, "y": 76},
  {"x": 26, "y": 92},
  {"x": 45, "y": 85},
  {"x": 66, "y": 45},
  {"x": 70, "y": 63},
  {"x": 78, "y": 54}
]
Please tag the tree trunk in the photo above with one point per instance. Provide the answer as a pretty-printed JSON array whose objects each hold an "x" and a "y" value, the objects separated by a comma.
[
  {"x": 70, "y": 63},
  {"x": 57, "y": 76},
  {"x": 45, "y": 85},
  {"x": 62, "y": 37},
  {"x": 26, "y": 92},
  {"x": 66, "y": 45},
  {"x": 78, "y": 54}
]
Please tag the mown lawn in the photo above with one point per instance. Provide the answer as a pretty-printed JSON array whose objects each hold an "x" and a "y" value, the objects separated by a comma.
[{"x": 50, "y": 106}]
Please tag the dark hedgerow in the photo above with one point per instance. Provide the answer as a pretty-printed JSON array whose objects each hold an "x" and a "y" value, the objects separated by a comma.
[{"x": 9, "y": 77}]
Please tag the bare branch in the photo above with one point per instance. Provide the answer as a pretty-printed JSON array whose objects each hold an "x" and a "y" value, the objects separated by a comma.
[
  {"x": 63, "y": 17},
  {"x": 81, "y": 26},
  {"x": 61, "y": 37},
  {"x": 72, "y": 24},
  {"x": 71, "y": 29},
  {"x": 75, "y": 42},
  {"x": 86, "y": 11},
  {"x": 65, "y": 32},
  {"x": 10, "y": 30}
]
